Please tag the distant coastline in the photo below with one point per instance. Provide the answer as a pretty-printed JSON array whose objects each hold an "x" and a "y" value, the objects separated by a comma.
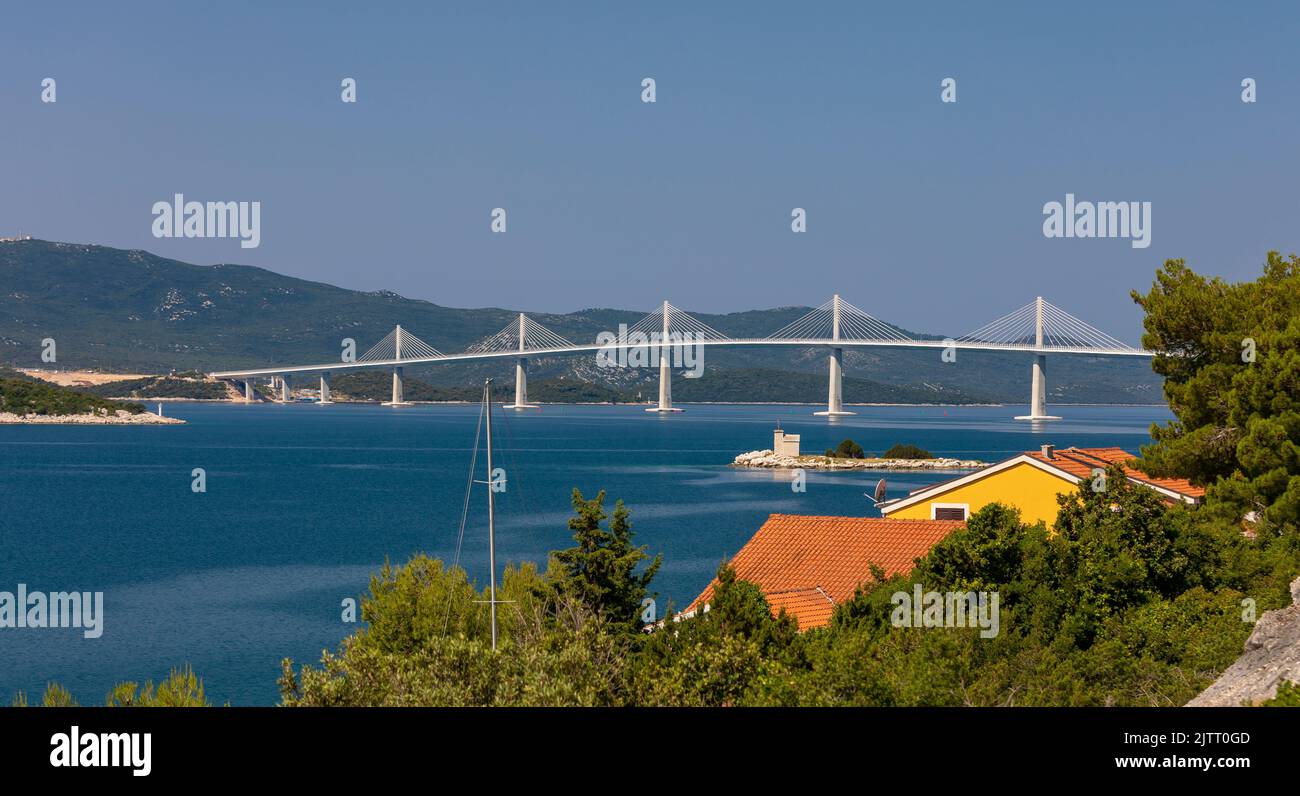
[
  {"x": 140, "y": 384},
  {"x": 375, "y": 402}
]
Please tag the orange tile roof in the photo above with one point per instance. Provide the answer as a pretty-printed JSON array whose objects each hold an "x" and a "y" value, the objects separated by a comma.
[
  {"x": 810, "y": 607},
  {"x": 794, "y": 556},
  {"x": 1080, "y": 462}
]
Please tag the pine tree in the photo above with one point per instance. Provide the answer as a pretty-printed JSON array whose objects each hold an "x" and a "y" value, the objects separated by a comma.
[
  {"x": 601, "y": 568},
  {"x": 1230, "y": 355}
]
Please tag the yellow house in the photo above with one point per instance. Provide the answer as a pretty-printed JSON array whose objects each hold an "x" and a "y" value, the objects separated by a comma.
[{"x": 1029, "y": 482}]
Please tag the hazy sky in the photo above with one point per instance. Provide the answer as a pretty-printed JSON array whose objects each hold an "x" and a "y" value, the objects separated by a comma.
[{"x": 924, "y": 213}]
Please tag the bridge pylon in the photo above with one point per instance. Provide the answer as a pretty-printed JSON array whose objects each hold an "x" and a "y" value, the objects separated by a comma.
[
  {"x": 398, "y": 399},
  {"x": 521, "y": 370},
  {"x": 835, "y": 392},
  {"x": 665, "y": 405},
  {"x": 1038, "y": 378}
]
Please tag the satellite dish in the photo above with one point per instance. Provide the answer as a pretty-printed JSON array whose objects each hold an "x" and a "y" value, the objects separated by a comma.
[{"x": 879, "y": 494}]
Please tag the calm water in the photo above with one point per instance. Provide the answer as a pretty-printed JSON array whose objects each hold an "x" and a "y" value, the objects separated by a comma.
[{"x": 303, "y": 502}]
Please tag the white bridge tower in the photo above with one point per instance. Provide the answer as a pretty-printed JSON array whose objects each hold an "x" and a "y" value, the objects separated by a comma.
[
  {"x": 1038, "y": 382},
  {"x": 521, "y": 372},
  {"x": 835, "y": 393}
]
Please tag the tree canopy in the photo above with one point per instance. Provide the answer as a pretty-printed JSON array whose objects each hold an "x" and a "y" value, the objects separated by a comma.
[
  {"x": 904, "y": 450},
  {"x": 601, "y": 568},
  {"x": 28, "y": 396},
  {"x": 1230, "y": 356},
  {"x": 848, "y": 449}
]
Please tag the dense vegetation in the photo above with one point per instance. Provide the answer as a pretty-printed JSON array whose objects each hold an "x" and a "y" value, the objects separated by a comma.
[
  {"x": 181, "y": 689},
  {"x": 847, "y": 449},
  {"x": 565, "y": 636},
  {"x": 1130, "y": 602},
  {"x": 1288, "y": 696},
  {"x": 160, "y": 387},
  {"x": 29, "y": 396},
  {"x": 718, "y": 385},
  {"x": 770, "y": 385},
  {"x": 378, "y": 386},
  {"x": 1232, "y": 377},
  {"x": 904, "y": 450}
]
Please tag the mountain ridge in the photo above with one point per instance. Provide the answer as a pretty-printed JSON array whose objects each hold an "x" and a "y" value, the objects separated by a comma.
[{"x": 129, "y": 310}]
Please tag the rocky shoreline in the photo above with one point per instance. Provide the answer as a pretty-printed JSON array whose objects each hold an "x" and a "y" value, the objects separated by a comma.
[
  {"x": 119, "y": 417},
  {"x": 769, "y": 460}
]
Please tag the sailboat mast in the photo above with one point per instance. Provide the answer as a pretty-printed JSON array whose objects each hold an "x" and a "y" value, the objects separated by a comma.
[{"x": 492, "y": 550}]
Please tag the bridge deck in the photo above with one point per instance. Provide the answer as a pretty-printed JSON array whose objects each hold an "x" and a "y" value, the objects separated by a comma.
[{"x": 964, "y": 345}]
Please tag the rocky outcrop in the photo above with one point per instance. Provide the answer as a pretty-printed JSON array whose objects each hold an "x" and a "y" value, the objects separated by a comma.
[
  {"x": 1272, "y": 655},
  {"x": 768, "y": 459},
  {"x": 119, "y": 417}
]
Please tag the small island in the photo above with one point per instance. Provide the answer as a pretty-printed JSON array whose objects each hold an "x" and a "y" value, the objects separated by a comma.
[
  {"x": 785, "y": 455},
  {"x": 28, "y": 401}
]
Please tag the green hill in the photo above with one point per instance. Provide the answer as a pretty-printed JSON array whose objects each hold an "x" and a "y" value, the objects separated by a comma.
[
  {"x": 160, "y": 387},
  {"x": 744, "y": 385},
  {"x": 29, "y": 396},
  {"x": 126, "y": 310},
  {"x": 377, "y": 386}
]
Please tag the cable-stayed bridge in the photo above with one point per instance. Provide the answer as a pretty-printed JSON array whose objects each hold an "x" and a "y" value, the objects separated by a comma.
[{"x": 1037, "y": 329}]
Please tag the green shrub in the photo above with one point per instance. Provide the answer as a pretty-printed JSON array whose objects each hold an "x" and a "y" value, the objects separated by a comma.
[
  {"x": 903, "y": 451},
  {"x": 181, "y": 689},
  {"x": 848, "y": 449},
  {"x": 1288, "y": 696},
  {"x": 23, "y": 397}
]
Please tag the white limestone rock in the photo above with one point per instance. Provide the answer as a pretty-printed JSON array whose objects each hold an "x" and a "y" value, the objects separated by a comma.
[
  {"x": 1272, "y": 655},
  {"x": 770, "y": 460}
]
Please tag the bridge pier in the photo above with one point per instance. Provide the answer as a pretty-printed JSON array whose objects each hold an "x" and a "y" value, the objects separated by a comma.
[
  {"x": 1038, "y": 392},
  {"x": 1038, "y": 382},
  {"x": 835, "y": 392},
  {"x": 521, "y": 386},
  {"x": 249, "y": 394},
  {"x": 397, "y": 390},
  {"x": 665, "y": 372},
  {"x": 324, "y": 390},
  {"x": 285, "y": 389},
  {"x": 521, "y": 374}
]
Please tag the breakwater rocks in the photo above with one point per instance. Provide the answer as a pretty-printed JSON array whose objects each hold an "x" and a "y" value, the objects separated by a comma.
[
  {"x": 768, "y": 459},
  {"x": 119, "y": 417}
]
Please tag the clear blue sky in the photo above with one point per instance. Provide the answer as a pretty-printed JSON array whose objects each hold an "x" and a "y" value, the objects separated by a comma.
[{"x": 926, "y": 214}]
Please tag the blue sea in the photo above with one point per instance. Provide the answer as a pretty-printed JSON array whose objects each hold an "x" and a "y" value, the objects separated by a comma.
[{"x": 304, "y": 502}]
